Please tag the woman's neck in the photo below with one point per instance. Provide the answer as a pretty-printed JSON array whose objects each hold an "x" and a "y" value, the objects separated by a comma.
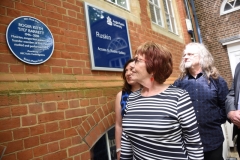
[
  {"x": 153, "y": 89},
  {"x": 135, "y": 87}
]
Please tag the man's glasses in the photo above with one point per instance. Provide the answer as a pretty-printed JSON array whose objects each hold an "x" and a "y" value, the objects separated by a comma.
[{"x": 188, "y": 54}]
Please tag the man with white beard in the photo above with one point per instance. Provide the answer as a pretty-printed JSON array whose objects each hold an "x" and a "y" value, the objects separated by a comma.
[{"x": 207, "y": 90}]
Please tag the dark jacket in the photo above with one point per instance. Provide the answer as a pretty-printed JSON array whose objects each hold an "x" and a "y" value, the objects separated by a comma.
[{"x": 231, "y": 102}]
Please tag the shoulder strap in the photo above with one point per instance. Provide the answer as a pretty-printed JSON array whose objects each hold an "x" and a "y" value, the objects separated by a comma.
[{"x": 123, "y": 101}]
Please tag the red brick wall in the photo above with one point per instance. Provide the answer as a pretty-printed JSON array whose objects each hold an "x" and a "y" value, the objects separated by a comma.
[
  {"x": 214, "y": 28},
  {"x": 59, "y": 109},
  {"x": 54, "y": 125}
]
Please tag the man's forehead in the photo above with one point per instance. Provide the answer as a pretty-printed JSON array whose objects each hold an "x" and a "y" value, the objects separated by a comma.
[{"x": 191, "y": 49}]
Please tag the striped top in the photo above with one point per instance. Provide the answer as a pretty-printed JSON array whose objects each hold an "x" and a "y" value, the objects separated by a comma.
[{"x": 162, "y": 126}]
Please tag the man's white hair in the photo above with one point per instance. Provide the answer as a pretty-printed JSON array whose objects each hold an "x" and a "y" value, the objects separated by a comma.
[{"x": 206, "y": 60}]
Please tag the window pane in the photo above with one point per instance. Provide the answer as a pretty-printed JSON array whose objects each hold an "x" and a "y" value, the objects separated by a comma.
[
  {"x": 158, "y": 14},
  {"x": 237, "y": 4},
  {"x": 156, "y": 2},
  {"x": 122, "y": 3},
  {"x": 168, "y": 22},
  {"x": 227, "y": 7},
  {"x": 165, "y": 6},
  {"x": 170, "y": 8},
  {"x": 152, "y": 13},
  {"x": 112, "y": 1},
  {"x": 99, "y": 150}
]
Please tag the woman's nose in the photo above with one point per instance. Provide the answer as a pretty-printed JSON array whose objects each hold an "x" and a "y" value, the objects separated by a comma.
[{"x": 129, "y": 73}]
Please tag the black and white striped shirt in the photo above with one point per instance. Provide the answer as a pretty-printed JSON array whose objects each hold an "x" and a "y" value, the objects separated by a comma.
[{"x": 162, "y": 126}]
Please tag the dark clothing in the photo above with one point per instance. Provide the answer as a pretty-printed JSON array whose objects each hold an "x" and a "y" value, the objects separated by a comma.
[
  {"x": 231, "y": 102},
  {"x": 214, "y": 155},
  {"x": 238, "y": 139},
  {"x": 123, "y": 101},
  {"x": 208, "y": 99}
]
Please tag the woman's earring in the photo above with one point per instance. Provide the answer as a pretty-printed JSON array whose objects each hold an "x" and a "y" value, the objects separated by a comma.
[{"x": 152, "y": 79}]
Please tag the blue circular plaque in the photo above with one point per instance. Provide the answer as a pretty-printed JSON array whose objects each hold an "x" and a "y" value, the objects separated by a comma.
[{"x": 30, "y": 40}]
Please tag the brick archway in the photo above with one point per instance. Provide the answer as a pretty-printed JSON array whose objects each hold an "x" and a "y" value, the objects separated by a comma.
[{"x": 94, "y": 126}]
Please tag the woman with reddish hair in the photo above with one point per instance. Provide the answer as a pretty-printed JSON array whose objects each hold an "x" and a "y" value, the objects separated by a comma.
[{"x": 159, "y": 121}]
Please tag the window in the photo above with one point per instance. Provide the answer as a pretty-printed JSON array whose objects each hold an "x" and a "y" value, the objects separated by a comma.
[
  {"x": 155, "y": 11},
  {"x": 121, "y": 3},
  {"x": 171, "y": 23},
  {"x": 229, "y": 6},
  {"x": 156, "y": 14},
  {"x": 105, "y": 148}
]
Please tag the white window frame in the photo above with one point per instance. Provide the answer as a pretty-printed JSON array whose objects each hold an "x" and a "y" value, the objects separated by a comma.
[
  {"x": 233, "y": 48},
  {"x": 222, "y": 12},
  {"x": 155, "y": 14},
  {"x": 116, "y": 3},
  {"x": 171, "y": 17}
]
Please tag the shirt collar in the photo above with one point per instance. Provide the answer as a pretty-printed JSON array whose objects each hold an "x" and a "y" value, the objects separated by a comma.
[{"x": 189, "y": 76}]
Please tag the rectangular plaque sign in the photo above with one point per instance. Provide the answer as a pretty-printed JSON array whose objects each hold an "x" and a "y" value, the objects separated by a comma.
[{"x": 108, "y": 39}]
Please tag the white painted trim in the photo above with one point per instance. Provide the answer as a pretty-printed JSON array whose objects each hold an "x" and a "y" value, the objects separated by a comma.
[
  {"x": 233, "y": 55},
  {"x": 230, "y": 42},
  {"x": 222, "y": 12},
  {"x": 108, "y": 146}
]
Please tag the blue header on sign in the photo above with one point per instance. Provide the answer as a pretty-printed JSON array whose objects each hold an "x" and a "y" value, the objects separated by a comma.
[
  {"x": 108, "y": 40},
  {"x": 30, "y": 40}
]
